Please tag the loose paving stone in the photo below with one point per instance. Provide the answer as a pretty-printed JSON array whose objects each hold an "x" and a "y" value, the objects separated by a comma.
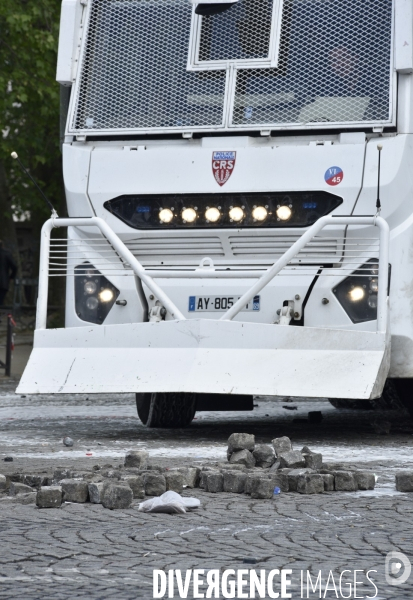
[
  {"x": 293, "y": 476},
  {"x": 62, "y": 473},
  {"x": 240, "y": 441},
  {"x": 74, "y": 491},
  {"x": 310, "y": 483},
  {"x": 282, "y": 445},
  {"x": 24, "y": 499},
  {"x": 214, "y": 482},
  {"x": 49, "y": 497},
  {"x": 345, "y": 481},
  {"x": 191, "y": 476},
  {"x": 365, "y": 480},
  {"x": 404, "y": 481},
  {"x": 36, "y": 481},
  {"x": 292, "y": 460},
  {"x": 262, "y": 488},
  {"x": 95, "y": 491},
  {"x": 116, "y": 496},
  {"x": 328, "y": 482},
  {"x": 243, "y": 457},
  {"x": 137, "y": 458},
  {"x": 234, "y": 482},
  {"x": 264, "y": 456},
  {"x": 3, "y": 483},
  {"x": 280, "y": 480},
  {"x": 136, "y": 484},
  {"x": 174, "y": 481},
  {"x": 313, "y": 460},
  {"x": 19, "y": 488},
  {"x": 155, "y": 484},
  {"x": 249, "y": 481}
]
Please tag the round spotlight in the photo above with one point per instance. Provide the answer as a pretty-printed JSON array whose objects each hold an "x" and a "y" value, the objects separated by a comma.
[
  {"x": 284, "y": 213},
  {"x": 90, "y": 287},
  {"x": 259, "y": 213},
  {"x": 188, "y": 215},
  {"x": 212, "y": 214},
  {"x": 236, "y": 214},
  {"x": 356, "y": 294},
  {"x": 106, "y": 295},
  {"x": 372, "y": 301},
  {"x": 92, "y": 303},
  {"x": 374, "y": 285},
  {"x": 166, "y": 215}
]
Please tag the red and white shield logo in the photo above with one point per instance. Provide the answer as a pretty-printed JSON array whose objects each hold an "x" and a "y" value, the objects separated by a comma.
[{"x": 223, "y": 164}]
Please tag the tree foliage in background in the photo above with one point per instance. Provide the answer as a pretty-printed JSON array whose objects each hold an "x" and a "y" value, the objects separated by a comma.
[{"x": 29, "y": 108}]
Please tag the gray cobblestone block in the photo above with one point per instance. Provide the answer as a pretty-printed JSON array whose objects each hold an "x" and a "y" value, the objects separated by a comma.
[
  {"x": 155, "y": 484},
  {"x": 328, "y": 482},
  {"x": 29, "y": 498},
  {"x": 234, "y": 481},
  {"x": 276, "y": 465},
  {"x": 35, "y": 481},
  {"x": 74, "y": 491},
  {"x": 62, "y": 473},
  {"x": 293, "y": 477},
  {"x": 117, "y": 496},
  {"x": 203, "y": 476},
  {"x": 243, "y": 457},
  {"x": 174, "y": 481},
  {"x": 280, "y": 480},
  {"x": 345, "y": 481},
  {"x": 241, "y": 441},
  {"x": 214, "y": 482},
  {"x": 137, "y": 458},
  {"x": 313, "y": 460},
  {"x": 136, "y": 484},
  {"x": 365, "y": 480},
  {"x": 264, "y": 456},
  {"x": 95, "y": 491},
  {"x": 19, "y": 488},
  {"x": 3, "y": 483},
  {"x": 310, "y": 483},
  {"x": 404, "y": 481},
  {"x": 111, "y": 474},
  {"x": 291, "y": 460},
  {"x": 282, "y": 445},
  {"x": 249, "y": 481},
  {"x": 191, "y": 476},
  {"x": 49, "y": 497},
  {"x": 83, "y": 475},
  {"x": 231, "y": 466},
  {"x": 262, "y": 488}
]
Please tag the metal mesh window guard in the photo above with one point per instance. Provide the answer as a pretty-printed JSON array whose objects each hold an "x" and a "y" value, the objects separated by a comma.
[{"x": 334, "y": 67}]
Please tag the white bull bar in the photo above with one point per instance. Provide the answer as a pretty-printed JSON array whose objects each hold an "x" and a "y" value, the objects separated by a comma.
[{"x": 205, "y": 355}]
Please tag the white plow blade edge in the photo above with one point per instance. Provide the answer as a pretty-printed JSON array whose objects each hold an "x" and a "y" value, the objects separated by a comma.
[{"x": 203, "y": 355}]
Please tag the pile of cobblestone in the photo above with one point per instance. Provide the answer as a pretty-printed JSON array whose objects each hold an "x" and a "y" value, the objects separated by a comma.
[{"x": 262, "y": 470}]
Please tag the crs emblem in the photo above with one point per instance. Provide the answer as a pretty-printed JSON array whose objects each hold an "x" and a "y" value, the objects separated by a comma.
[{"x": 223, "y": 164}]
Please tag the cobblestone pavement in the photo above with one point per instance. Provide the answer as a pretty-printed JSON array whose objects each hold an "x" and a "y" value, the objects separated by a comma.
[{"x": 82, "y": 551}]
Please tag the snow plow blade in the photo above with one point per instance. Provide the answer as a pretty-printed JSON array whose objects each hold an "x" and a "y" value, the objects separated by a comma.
[{"x": 207, "y": 356}]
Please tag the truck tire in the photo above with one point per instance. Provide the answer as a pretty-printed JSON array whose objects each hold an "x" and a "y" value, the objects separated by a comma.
[
  {"x": 389, "y": 400},
  {"x": 404, "y": 389},
  {"x": 166, "y": 410},
  {"x": 351, "y": 404}
]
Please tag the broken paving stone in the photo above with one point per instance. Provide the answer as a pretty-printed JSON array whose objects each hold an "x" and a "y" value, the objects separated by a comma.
[
  {"x": 291, "y": 460},
  {"x": 282, "y": 445},
  {"x": 74, "y": 491},
  {"x": 234, "y": 481},
  {"x": 264, "y": 456},
  {"x": 243, "y": 457},
  {"x": 345, "y": 481},
  {"x": 275, "y": 466},
  {"x": 174, "y": 481},
  {"x": 137, "y": 458},
  {"x": 68, "y": 442},
  {"x": 313, "y": 460},
  {"x": 310, "y": 483},
  {"x": 155, "y": 484},
  {"x": 19, "y": 488},
  {"x": 3, "y": 483},
  {"x": 49, "y": 496},
  {"x": 95, "y": 491},
  {"x": 365, "y": 480},
  {"x": 240, "y": 441},
  {"x": 136, "y": 484},
  {"x": 214, "y": 482},
  {"x": 262, "y": 488},
  {"x": 328, "y": 482},
  {"x": 404, "y": 481},
  {"x": 117, "y": 496}
]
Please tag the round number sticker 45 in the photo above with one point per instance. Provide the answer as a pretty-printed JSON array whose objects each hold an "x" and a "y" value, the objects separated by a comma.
[{"x": 334, "y": 175}]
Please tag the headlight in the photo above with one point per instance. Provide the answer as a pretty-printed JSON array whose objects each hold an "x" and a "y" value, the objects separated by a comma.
[
  {"x": 166, "y": 215},
  {"x": 212, "y": 214},
  {"x": 188, "y": 215},
  {"x": 236, "y": 214},
  {"x": 284, "y": 213},
  {"x": 94, "y": 294},
  {"x": 357, "y": 294},
  {"x": 259, "y": 213}
]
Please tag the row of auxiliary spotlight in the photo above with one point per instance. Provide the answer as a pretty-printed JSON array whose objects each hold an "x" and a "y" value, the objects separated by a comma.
[{"x": 214, "y": 214}]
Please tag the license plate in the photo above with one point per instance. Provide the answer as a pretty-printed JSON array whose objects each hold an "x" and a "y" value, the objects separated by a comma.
[{"x": 219, "y": 303}]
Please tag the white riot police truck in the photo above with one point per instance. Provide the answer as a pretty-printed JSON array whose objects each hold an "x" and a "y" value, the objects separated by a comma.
[{"x": 224, "y": 238}]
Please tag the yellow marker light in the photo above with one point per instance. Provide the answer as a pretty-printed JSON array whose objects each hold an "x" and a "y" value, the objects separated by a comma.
[
  {"x": 189, "y": 215},
  {"x": 259, "y": 213},
  {"x": 166, "y": 215},
  {"x": 236, "y": 214},
  {"x": 212, "y": 214},
  {"x": 284, "y": 213},
  {"x": 106, "y": 295},
  {"x": 357, "y": 294}
]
